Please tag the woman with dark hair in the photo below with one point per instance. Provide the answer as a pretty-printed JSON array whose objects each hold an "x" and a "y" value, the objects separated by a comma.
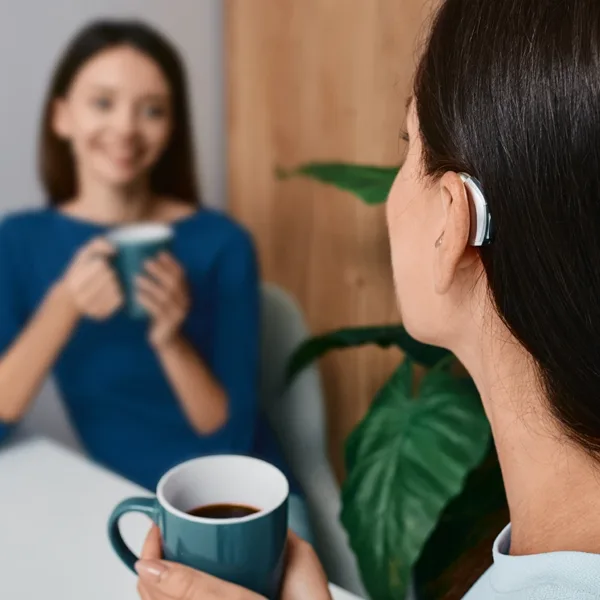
[
  {"x": 493, "y": 222},
  {"x": 115, "y": 150}
]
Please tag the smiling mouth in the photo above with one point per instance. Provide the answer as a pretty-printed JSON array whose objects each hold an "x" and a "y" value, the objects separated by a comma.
[{"x": 125, "y": 160}]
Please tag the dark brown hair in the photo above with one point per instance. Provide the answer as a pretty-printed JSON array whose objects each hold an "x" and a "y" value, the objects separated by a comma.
[
  {"x": 174, "y": 174},
  {"x": 509, "y": 91}
]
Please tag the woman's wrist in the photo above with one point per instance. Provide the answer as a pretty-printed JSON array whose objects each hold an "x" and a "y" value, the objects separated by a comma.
[
  {"x": 172, "y": 344},
  {"x": 61, "y": 302}
]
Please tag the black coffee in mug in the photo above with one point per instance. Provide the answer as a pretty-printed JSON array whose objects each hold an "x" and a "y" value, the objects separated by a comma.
[{"x": 223, "y": 511}]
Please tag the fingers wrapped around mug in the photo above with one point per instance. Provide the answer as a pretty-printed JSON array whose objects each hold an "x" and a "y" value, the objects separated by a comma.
[{"x": 162, "y": 290}]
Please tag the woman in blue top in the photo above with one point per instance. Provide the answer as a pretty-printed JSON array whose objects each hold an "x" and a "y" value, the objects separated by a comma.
[
  {"x": 505, "y": 272},
  {"x": 116, "y": 149}
]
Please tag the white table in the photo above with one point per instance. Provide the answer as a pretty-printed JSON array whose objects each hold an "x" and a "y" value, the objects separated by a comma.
[{"x": 54, "y": 505}]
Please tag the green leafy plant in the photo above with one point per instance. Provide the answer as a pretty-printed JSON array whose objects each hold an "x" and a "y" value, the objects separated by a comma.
[
  {"x": 371, "y": 184},
  {"x": 415, "y": 464}
]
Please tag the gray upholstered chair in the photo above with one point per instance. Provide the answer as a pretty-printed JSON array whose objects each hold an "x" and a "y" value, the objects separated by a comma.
[
  {"x": 48, "y": 417},
  {"x": 298, "y": 416}
]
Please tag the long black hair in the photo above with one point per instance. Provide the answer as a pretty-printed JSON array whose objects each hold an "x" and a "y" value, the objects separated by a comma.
[
  {"x": 174, "y": 174},
  {"x": 509, "y": 91}
]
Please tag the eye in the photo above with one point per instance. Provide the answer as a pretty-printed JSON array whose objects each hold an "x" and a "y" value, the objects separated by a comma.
[
  {"x": 102, "y": 103},
  {"x": 404, "y": 136},
  {"x": 153, "y": 111}
]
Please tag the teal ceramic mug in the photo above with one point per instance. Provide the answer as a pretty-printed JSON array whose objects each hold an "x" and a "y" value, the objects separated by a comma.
[
  {"x": 247, "y": 550},
  {"x": 134, "y": 245}
]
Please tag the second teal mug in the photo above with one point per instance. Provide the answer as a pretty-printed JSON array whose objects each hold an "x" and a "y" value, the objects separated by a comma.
[
  {"x": 248, "y": 550},
  {"x": 134, "y": 245}
]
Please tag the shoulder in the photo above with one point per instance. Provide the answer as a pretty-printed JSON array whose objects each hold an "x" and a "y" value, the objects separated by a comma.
[
  {"x": 219, "y": 230},
  {"x": 18, "y": 226},
  {"x": 25, "y": 217},
  {"x": 573, "y": 575}
]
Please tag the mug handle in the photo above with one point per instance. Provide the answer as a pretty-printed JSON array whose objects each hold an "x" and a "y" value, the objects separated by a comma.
[{"x": 146, "y": 506}]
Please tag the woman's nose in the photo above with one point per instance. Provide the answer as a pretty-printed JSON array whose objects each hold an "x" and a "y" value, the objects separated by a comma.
[{"x": 125, "y": 121}]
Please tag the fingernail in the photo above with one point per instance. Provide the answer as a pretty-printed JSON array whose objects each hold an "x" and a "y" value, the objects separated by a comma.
[{"x": 150, "y": 571}]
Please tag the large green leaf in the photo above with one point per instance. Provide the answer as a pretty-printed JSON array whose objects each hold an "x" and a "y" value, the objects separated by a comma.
[
  {"x": 406, "y": 461},
  {"x": 383, "y": 336},
  {"x": 371, "y": 184}
]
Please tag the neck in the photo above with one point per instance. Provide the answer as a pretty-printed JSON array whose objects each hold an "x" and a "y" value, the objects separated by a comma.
[
  {"x": 552, "y": 485},
  {"x": 107, "y": 204}
]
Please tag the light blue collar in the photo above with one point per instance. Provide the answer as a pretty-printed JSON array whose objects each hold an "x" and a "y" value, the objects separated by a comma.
[{"x": 577, "y": 571}]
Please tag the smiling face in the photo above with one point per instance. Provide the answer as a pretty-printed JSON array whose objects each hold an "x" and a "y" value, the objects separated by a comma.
[{"x": 116, "y": 116}]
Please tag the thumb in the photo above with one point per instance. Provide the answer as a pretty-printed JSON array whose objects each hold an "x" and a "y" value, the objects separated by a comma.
[
  {"x": 173, "y": 580},
  {"x": 98, "y": 247},
  {"x": 182, "y": 583}
]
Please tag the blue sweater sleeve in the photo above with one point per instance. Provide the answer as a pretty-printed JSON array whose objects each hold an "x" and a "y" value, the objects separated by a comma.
[
  {"x": 236, "y": 352},
  {"x": 12, "y": 317}
]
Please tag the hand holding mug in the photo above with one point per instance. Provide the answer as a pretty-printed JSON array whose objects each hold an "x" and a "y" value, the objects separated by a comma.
[
  {"x": 224, "y": 517},
  {"x": 135, "y": 245},
  {"x": 162, "y": 290},
  {"x": 161, "y": 579},
  {"x": 91, "y": 283},
  {"x": 304, "y": 577}
]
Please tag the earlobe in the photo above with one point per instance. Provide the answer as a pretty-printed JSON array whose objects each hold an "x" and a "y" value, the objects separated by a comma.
[
  {"x": 60, "y": 120},
  {"x": 453, "y": 243}
]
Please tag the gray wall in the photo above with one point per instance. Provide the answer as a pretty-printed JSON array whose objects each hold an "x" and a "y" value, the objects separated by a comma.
[{"x": 32, "y": 35}]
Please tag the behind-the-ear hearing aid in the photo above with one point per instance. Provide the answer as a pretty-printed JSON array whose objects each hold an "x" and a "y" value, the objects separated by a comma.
[{"x": 481, "y": 220}]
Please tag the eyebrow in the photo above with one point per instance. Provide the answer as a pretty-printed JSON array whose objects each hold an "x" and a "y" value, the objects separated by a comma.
[
  {"x": 112, "y": 90},
  {"x": 409, "y": 101},
  {"x": 97, "y": 87}
]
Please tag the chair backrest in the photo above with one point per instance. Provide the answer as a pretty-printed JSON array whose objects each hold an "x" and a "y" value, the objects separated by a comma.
[
  {"x": 297, "y": 414},
  {"x": 48, "y": 417}
]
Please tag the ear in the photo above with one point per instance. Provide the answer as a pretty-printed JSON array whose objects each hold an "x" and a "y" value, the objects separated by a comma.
[
  {"x": 60, "y": 119},
  {"x": 452, "y": 248}
]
